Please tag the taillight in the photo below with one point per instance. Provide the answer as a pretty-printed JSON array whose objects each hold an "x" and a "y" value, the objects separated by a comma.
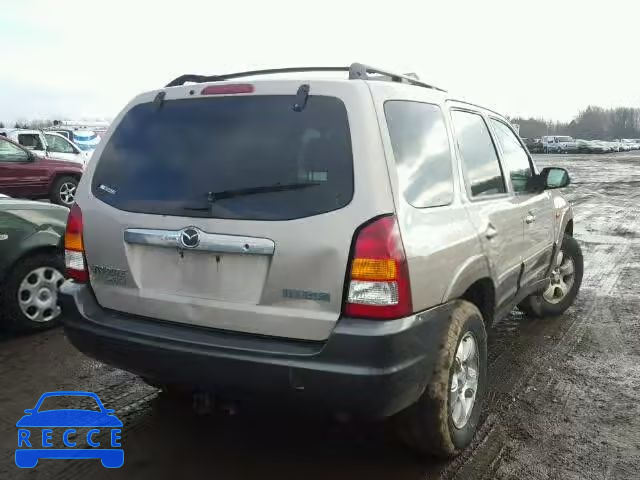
[
  {"x": 379, "y": 285},
  {"x": 227, "y": 89},
  {"x": 74, "y": 260}
]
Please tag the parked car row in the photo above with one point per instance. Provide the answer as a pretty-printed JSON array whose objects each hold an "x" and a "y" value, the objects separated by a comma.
[
  {"x": 534, "y": 145},
  {"x": 566, "y": 144},
  {"x": 86, "y": 139},
  {"x": 35, "y": 164},
  {"x": 31, "y": 263},
  {"x": 48, "y": 143},
  {"x": 32, "y": 174},
  {"x": 602, "y": 146}
]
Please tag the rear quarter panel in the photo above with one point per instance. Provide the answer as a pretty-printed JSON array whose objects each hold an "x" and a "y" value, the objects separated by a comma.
[{"x": 443, "y": 250}]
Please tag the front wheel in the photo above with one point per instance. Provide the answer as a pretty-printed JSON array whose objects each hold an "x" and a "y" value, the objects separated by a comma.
[
  {"x": 444, "y": 419},
  {"x": 565, "y": 279}
]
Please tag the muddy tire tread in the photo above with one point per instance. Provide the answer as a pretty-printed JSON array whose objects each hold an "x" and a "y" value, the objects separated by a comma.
[{"x": 425, "y": 426}]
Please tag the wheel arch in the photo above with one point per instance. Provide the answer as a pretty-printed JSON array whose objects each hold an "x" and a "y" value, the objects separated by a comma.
[
  {"x": 472, "y": 282},
  {"x": 60, "y": 174},
  {"x": 40, "y": 242},
  {"x": 568, "y": 229},
  {"x": 482, "y": 294},
  {"x": 564, "y": 218}
]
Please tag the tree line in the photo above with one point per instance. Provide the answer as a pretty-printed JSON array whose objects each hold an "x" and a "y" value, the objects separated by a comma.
[
  {"x": 592, "y": 123},
  {"x": 30, "y": 124}
]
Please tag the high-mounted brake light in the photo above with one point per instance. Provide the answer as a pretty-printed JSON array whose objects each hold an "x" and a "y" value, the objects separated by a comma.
[
  {"x": 74, "y": 260},
  {"x": 379, "y": 285},
  {"x": 227, "y": 89}
]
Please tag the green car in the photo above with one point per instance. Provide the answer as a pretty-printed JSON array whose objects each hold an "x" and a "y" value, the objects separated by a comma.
[{"x": 31, "y": 263}]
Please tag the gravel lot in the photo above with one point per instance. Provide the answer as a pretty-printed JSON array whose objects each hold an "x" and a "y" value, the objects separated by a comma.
[{"x": 563, "y": 400}]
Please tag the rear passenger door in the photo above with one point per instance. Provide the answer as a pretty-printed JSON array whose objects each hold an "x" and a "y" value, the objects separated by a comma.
[
  {"x": 535, "y": 207},
  {"x": 494, "y": 212}
]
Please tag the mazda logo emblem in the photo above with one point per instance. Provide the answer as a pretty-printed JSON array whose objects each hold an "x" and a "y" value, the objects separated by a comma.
[{"x": 189, "y": 238}]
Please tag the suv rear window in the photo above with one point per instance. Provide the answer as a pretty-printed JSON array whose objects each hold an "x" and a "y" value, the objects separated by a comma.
[{"x": 250, "y": 157}]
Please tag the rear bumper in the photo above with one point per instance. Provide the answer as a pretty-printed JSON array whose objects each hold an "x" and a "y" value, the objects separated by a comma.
[{"x": 366, "y": 368}]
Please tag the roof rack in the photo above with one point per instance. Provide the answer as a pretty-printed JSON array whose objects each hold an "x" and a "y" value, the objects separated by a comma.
[{"x": 357, "y": 71}]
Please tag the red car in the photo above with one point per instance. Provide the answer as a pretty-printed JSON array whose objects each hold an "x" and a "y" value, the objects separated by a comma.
[{"x": 27, "y": 175}]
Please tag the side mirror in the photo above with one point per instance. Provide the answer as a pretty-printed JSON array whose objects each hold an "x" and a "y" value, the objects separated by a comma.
[
  {"x": 554, "y": 177},
  {"x": 29, "y": 411},
  {"x": 109, "y": 411}
]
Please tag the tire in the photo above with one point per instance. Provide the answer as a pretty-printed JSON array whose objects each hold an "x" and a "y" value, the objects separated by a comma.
[
  {"x": 63, "y": 191},
  {"x": 539, "y": 305},
  {"x": 428, "y": 426},
  {"x": 40, "y": 268}
]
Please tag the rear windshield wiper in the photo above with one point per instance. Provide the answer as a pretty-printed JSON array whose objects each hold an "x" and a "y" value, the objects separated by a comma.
[
  {"x": 213, "y": 197},
  {"x": 241, "y": 192}
]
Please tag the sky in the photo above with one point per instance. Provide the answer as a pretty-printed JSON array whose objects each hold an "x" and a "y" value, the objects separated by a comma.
[{"x": 86, "y": 59}]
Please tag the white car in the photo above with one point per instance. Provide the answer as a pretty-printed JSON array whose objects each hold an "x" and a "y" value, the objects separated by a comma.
[
  {"x": 60, "y": 147},
  {"x": 558, "y": 144},
  {"x": 48, "y": 144},
  {"x": 84, "y": 138}
]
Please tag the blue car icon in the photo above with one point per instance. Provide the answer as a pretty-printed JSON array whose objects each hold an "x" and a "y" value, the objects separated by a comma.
[{"x": 29, "y": 452}]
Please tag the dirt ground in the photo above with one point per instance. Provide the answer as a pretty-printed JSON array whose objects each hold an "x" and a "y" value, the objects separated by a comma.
[{"x": 563, "y": 394}]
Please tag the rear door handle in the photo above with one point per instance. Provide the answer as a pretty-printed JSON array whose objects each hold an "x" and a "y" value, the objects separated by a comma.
[
  {"x": 530, "y": 218},
  {"x": 490, "y": 232}
]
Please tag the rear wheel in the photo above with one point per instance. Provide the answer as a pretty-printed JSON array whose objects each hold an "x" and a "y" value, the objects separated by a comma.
[
  {"x": 564, "y": 283},
  {"x": 29, "y": 297},
  {"x": 63, "y": 191},
  {"x": 444, "y": 419}
]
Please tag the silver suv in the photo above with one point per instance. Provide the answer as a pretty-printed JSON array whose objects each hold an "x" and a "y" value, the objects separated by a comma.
[{"x": 341, "y": 244}]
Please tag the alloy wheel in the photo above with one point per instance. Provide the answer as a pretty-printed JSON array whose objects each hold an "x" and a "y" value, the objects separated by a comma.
[
  {"x": 561, "y": 279},
  {"x": 464, "y": 380},
  {"x": 68, "y": 192}
]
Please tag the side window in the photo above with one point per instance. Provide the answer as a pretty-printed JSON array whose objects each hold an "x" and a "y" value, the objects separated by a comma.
[
  {"x": 479, "y": 159},
  {"x": 30, "y": 140},
  {"x": 11, "y": 153},
  {"x": 515, "y": 158},
  {"x": 58, "y": 145},
  {"x": 421, "y": 150}
]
